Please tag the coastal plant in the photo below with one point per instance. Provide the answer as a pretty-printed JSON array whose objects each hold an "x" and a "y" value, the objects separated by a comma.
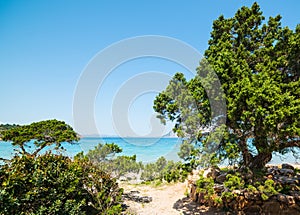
[
  {"x": 122, "y": 165},
  {"x": 234, "y": 182},
  {"x": 205, "y": 185},
  {"x": 105, "y": 157},
  {"x": 268, "y": 189},
  {"x": 257, "y": 64},
  {"x": 104, "y": 152},
  {"x": 4, "y": 127},
  {"x": 163, "y": 170},
  {"x": 42, "y": 134},
  {"x": 55, "y": 184}
]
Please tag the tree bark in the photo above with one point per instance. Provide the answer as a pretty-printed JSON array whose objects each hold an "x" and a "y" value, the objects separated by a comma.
[
  {"x": 260, "y": 160},
  {"x": 247, "y": 157}
]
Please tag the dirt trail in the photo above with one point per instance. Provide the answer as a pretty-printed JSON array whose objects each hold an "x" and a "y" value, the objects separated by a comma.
[{"x": 166, "y": 200}]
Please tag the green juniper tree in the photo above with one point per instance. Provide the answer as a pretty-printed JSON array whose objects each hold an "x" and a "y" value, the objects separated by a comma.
[
  {"x": 258, "y": 65},
  {"x": 43, "y": 133}
]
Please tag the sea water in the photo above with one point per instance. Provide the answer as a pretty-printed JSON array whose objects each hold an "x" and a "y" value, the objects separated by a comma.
[{"x": 146, "y": 149}]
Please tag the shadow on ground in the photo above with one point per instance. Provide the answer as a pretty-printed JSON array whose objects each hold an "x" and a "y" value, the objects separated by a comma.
[{"x": 188, "y": 207}]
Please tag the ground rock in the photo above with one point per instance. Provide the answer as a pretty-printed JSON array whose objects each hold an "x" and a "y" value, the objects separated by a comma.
[
  {"x": 221, "y": 178},
  {"x": 287, "y": 166},
  {"x": 219, "y": 188},
  {"x": 287, "y": 172},
  {"x": 286, "y": 199},
  {"x": 271, "y": 207},
  {"x": 134, "y": 196},
  {"x": 253, "y": 209},
  {"x": 212, "y": 172}
]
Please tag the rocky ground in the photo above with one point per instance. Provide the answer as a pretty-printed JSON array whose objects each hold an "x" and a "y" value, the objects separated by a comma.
[{"x": 169, "y": 199}]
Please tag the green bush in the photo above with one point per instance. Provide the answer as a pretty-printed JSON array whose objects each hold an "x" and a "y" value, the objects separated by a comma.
[
  {"x": 104, "y": 155},
  {"x": 234, "y": 181},
  {"x": 164, "y": 170},
  {"x": 268, "y": 189},
  {"x": 205, "y": 185},
  {"x": 55, "y": 184}
]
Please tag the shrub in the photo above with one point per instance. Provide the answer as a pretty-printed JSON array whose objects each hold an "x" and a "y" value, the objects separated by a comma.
[
  {"x": 268, "y": 189},
  {"x": 205, "y": 185},
  {"x": 55, "y": 184}
]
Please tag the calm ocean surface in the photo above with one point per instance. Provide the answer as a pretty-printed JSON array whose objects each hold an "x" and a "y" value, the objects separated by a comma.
[{"x": 146, "y": 149}]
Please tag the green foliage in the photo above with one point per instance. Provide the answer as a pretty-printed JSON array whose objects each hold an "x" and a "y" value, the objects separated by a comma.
[
  {"x": 103, "y": 152},
  {"x": 125, "y": 164},
  {"x": 205, "y": 185},
  {"x": 234, "y": 182},
  {"x": 54, "y": 184},
  {"x": 4, "y": 127},
  {"x": 257, "y": 63},
  {"x": 162, "y": 170},
  {"x": 105, "y": 157},
  {"x": 43, "y": 133},
  {"x": 250, "y": 188},
  {"x": 268, "y": 189}
]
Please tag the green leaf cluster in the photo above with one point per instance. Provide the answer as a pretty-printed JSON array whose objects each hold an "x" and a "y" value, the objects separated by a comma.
[
  {"x": 256, "y": 62},
  {"x": 55, "y": 184},
  {"x": 43, "y": 133}
]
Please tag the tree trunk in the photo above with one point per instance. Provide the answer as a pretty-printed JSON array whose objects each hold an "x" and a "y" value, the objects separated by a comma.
[
  {"x": 247, "y": 157},
  {"x": 260, "y": 160}
]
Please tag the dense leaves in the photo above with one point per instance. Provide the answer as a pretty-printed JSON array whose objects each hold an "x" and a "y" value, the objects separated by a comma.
[
  {"x": 47, "y": 183},
  {"x": 258, "y": 65},
  {"x": 106, "y": 158},
  {"x": 43, "y": 133},
  {"x": 54, "y": 184},
  {"x": 4, "y": 127}
]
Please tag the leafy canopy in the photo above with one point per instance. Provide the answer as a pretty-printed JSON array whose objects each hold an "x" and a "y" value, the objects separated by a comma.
[
  {"x": 43, "y": 133},
  {"x": 258, "y": 65}
]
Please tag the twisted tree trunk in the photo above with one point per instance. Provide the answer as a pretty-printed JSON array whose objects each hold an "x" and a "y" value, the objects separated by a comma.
[{"x": 259, "y": 161}]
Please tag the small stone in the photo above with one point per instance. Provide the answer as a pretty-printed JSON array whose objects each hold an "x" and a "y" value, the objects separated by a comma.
[
  {"x": 134, "y": 192},
  {"x": 286, "y": 199},
  {"x": 283, "y": 180},
  {"x": 295, "y": 194},
  {"x": 271, "y": 207},
  {"x": 287, "y": 166},
  {"x": 219, "y": 188},
  {"x": 145, "y": 199},
  {"x": 286, "y": 172},
  {"x": 254, "y": 209},
  {"x": 237, "y": 192},
  {"x": 211, "y": 172},
  {"x": 221, "y": 178}
]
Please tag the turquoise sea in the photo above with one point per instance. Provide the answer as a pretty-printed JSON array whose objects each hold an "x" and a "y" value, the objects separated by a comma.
[{"x": 146, "y": 149}]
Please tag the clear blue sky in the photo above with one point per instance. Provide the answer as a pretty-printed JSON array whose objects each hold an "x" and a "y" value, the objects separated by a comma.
[{"x": 45, "y": 45}]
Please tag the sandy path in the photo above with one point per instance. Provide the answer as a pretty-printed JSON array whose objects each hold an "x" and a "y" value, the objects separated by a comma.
[{"x": 166, "y": 199}]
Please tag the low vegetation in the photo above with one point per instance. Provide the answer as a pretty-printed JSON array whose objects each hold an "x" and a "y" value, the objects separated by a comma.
[
  {"x": 34, "y": 183},
  {"x": 105, "y": 156}
]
